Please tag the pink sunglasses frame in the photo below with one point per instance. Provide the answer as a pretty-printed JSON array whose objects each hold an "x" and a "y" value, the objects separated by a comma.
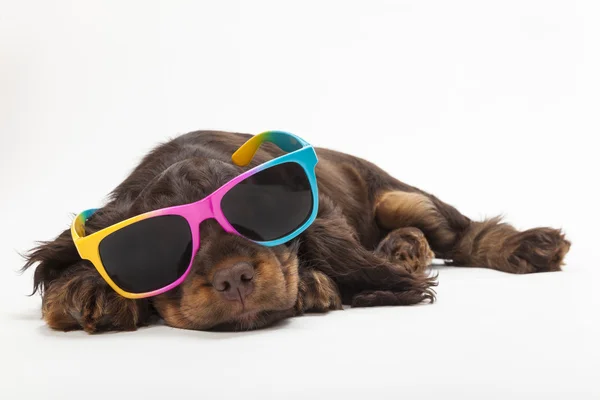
[{"x": 301, "y": 153}]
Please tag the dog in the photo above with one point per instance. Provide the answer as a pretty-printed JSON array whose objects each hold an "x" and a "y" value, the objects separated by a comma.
[{"x": 371, "y": 244}]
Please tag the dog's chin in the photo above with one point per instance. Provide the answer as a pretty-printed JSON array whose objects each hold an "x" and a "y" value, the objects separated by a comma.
[{"x": 251, "y": 320}]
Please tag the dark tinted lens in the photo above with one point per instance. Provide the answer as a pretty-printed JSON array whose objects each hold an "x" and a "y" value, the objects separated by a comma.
[
  {"x": 270, "y": 204},
  {"x": 149, "y": 254}
]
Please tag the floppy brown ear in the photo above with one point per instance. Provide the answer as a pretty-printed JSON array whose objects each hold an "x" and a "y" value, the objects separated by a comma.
[
  {"x": 74, "y": 295},
  {"x": 51, "y": 258},
  {"x": 81, "y": 299}
]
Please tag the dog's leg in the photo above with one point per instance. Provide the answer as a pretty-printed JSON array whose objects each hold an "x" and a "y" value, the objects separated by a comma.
[
  {"x": 490, "y": 244},
  {"x": 330, "y": 245},
  {"x": 407, "y": 246}
]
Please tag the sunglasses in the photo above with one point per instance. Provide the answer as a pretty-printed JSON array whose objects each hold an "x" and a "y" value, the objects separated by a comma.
[{"x": 151, "y": 253}]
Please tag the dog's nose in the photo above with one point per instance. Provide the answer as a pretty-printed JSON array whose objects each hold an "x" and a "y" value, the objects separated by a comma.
[{"x": 235, "y": 282}]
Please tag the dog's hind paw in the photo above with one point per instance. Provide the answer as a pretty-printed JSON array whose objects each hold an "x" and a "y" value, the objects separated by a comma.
[
  {"x": 406, "y": 246},
  {"x": 538, "y": 250}
]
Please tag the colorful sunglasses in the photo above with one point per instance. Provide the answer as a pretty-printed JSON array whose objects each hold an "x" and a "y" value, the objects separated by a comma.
[{"x": 270, "y": 204}]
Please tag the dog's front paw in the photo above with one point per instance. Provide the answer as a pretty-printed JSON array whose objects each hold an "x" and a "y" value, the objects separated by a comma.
[
  {"x": 82, "y": 300},
  {"x": 376, "y": 298},
  {"x": 407, "y": 246},
  {"x": 317, "y": 293}
]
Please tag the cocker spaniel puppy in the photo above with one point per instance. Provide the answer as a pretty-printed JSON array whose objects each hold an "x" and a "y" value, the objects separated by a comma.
[{"x": 370, "y": 245}]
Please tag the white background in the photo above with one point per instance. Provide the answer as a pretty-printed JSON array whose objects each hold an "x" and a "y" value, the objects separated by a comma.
[{"x": 490, "y": 105}]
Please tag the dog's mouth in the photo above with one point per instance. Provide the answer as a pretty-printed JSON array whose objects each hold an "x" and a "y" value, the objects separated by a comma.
[
  {"x": 247, "y": 315},
  {"x": 245, "y": 290},
  {"x": 250, "y": 320}
]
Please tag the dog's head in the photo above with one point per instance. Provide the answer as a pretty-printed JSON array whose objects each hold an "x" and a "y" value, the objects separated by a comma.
[{"x": 234, "y": 283}]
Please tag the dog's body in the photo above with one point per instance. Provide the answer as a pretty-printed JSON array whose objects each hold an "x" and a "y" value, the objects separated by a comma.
[{"x": 370, "y": 245}]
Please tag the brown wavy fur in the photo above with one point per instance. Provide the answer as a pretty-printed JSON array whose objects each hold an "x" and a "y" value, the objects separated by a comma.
[{"x": 370, "y": 245}]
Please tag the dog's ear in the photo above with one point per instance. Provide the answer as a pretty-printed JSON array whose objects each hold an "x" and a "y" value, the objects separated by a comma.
[
  {"x": 74, "y": 295},
  {"x": 52, "y": 259}
]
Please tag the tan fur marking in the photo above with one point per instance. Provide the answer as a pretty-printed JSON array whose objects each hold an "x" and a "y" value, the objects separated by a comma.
[
  {"x": 201, "y": 307},
  {"x": 408, "y": 209}
]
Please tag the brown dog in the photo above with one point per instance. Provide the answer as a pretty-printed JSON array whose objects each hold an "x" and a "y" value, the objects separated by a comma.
[{"x": 370, "y": 245}]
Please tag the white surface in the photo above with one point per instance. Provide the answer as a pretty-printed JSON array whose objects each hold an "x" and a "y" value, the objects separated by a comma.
[{"x": 492, "y": 106}]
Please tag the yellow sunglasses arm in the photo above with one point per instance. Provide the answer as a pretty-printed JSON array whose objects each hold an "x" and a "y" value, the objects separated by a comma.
[
  {"x": 285, "y": 141},
  {"x": 78, "y": 225}
]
